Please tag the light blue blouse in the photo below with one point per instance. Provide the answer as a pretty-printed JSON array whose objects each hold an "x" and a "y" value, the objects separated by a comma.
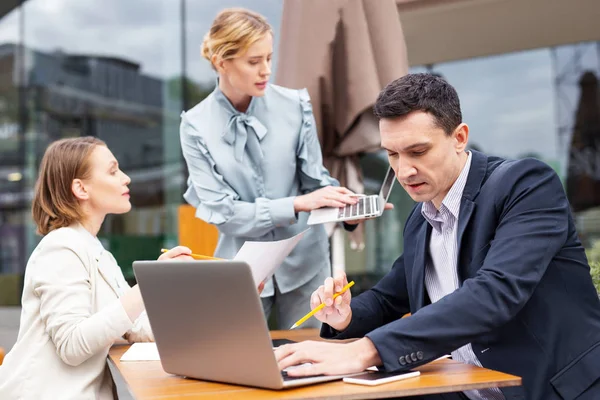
[{"x": 245, "y": 170}]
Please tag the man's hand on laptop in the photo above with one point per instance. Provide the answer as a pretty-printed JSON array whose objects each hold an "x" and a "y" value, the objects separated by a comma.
[
  {"x": 388, "y": 206},
  {"x": 179, "y": 253},
  {"x": 329, "y": 196},
  {"x": 327, "y": 358},
  {"x": 336, "y": 313}
]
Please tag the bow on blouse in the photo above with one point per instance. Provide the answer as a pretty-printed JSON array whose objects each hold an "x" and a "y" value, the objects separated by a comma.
[{"x": 236, "y": 133}]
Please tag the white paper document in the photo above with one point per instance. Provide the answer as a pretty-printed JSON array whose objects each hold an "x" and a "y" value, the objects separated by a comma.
[
  {"x": 141, "y": 352},
  {"x": 265, "y": 257}
]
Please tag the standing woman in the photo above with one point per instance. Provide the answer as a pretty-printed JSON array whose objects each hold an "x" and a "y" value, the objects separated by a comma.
[
  {"x": 75, "y": 302},
  {"x": 255, "y": 162}
]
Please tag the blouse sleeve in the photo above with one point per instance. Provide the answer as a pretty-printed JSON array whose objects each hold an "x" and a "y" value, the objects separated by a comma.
[
  {"x": 63, "y": 287},
  {"x": 217, "y": 203},
  {"x": 313, "y": 175}
]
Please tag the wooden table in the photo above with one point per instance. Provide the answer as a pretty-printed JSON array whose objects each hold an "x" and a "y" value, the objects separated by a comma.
[{"x": 147, "y": 380}]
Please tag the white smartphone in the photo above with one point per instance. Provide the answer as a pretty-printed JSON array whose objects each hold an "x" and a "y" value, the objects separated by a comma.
[{"x": 374, "y": 378}]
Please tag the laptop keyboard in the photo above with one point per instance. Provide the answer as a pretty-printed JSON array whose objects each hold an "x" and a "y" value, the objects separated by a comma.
[
  {"x": 287, "y": 378},
  {"x": 364, "y": 206},
  {"x": 280, "y": 342},
  {"x": 284, "y": 374}
]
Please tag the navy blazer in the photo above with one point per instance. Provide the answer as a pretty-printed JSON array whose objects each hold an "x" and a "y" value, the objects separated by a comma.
[{"x": 526, "y": 301}]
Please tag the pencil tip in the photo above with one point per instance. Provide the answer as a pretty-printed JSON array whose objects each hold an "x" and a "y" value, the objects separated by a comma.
[{"x": 293, "y": 326}]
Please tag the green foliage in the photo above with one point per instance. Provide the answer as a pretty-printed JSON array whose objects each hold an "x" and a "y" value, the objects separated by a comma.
[
  {"x": 128, "y": 248},
  {"x": 195, "y": 92},
  {"x": 593, "y": 255},
  {"x": 595, "y": 270},
  {"x": 10, "y": 290}
]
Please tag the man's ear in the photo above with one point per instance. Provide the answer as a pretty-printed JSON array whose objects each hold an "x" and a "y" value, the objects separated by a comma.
[
  {"x": 79, "y": 190},
  {"x": 461, "y": 134}
]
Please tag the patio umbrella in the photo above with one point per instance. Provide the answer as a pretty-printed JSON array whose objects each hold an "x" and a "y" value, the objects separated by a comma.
[{"x": 344, "y": 52}]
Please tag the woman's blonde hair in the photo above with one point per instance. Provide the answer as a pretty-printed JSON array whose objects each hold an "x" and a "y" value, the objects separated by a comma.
[
  {"x": 54, "y": 204},
  {"x": 233, "y": 31}
]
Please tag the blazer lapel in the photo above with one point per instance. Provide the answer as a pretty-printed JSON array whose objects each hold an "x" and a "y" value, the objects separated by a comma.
[
  {"x": 101, "y": 259},
  {"x": 418, "y": 270},
  {"x": 477, "y": 173},
  {"x": 106, "y": 267},
  {"x": 466, "y": 211}
]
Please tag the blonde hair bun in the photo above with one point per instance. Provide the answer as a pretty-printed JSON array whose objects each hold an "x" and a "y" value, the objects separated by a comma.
[{"x": 232, "y": 32}]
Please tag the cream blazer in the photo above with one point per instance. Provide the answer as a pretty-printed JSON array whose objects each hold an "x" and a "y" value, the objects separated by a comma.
[{"x": 70, "y": 317}]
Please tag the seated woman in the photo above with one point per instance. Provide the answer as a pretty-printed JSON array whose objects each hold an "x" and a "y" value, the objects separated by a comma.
[{"x": 76, "y": 302}]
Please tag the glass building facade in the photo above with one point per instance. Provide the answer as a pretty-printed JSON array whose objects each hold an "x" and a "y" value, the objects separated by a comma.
[
  {"x": 120, "y": 71},
  {"x": 124, "y": 71}
]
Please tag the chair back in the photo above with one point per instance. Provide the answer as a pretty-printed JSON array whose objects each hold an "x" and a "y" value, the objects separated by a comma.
[{"x": 196, "y": 234}]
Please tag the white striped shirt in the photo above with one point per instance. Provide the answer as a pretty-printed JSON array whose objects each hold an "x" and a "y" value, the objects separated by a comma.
[{"x": 441, "y": 275}]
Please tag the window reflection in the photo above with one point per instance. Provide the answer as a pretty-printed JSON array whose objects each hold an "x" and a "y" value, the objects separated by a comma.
[
  {"x": 124, "y": 70},
  {"x": 109, "y": 72},
  {"x": 577, "y": 72},
  {"x": 119, "y": 70}
]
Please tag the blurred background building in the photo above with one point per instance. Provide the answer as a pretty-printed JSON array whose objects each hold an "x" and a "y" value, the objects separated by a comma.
[{"x": 526, "y": 72}]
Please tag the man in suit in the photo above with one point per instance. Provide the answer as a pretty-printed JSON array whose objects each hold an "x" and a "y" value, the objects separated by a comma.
[{"x": 492, "y": 269}]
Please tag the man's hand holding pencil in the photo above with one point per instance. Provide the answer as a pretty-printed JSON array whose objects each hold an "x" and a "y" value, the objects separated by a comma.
[
  {"x": 336, "y": 311},
  {"x": 330, "y": 303}
]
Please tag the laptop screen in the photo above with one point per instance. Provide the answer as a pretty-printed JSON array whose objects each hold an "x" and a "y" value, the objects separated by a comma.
[{"x": 388, "y": 183}]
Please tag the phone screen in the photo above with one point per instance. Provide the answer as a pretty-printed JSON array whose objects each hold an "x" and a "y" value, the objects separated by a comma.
[
  {"x": 376, "y": 375},
  {"x": 372, "y": 378}
]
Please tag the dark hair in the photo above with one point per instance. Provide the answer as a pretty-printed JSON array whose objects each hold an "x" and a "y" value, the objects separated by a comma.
[{"x": 420, "y": 92}]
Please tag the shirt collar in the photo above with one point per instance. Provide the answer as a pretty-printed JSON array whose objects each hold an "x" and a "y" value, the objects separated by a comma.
[
  {"x": 235, "y": 132},
  {"x": 90, "y": 240},
  {"x": 224, "y": 101},
  {"x": 451, "y": 202}
]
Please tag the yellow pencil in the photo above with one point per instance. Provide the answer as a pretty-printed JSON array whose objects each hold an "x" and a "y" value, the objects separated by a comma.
[
  {"x": 320, "y": 306},
  {"x": 197, "y": 256}
]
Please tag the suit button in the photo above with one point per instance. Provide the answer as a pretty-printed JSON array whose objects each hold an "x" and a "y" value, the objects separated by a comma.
[
  {"x": 408, "y": 360},
  {"x": 420, "y": 355},
  {"x": 402, "y": 360},
  {"x": 413, "y": 357}
]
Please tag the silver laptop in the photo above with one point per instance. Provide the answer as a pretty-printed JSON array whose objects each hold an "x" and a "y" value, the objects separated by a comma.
[
  {"x": 208, "y": 323},
  {"x": 366, "y": 207}
]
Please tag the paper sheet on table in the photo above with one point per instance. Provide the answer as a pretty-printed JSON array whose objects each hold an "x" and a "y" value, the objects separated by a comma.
[
  {"x": 265, "y": 257},
  {"x": 141, "y": 352}
]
